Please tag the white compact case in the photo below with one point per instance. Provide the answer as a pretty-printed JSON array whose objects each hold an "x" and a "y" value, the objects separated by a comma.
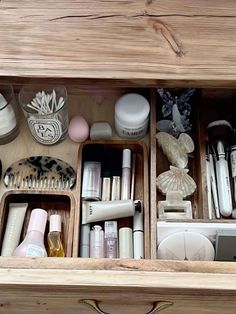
[
  {"x": 132, "y": 116},
  {"x": 191, "y": 246}
]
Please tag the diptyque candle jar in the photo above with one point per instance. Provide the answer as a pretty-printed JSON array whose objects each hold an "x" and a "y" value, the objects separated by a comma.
[
  {"x": 8, "y": 118},
  {"x": 45, "y": 108}
]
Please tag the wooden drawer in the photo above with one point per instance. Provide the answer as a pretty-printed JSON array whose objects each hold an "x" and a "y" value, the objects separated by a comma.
[{"x": 59, "y": 285}]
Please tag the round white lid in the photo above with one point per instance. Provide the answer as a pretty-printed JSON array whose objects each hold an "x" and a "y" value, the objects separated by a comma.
[
  {"x": 132, "y": 109},
  {"x": 55, "y": 223},
  {"x": 186, "y": 245}
]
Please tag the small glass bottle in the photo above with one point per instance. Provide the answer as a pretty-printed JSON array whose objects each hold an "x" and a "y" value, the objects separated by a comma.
[
  {"x": 33, "y": 243},
  {"x": 55, "y": 245},
  {"x": 111, "y": 239}
]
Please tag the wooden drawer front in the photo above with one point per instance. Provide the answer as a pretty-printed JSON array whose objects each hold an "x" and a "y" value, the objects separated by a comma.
[{"x": 52, "y": 302}]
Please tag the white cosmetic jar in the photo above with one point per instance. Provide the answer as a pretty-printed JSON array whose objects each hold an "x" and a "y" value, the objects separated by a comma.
[{"x": 132, "y": 116}]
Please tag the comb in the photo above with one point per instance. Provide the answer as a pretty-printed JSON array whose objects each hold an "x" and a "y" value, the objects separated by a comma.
[{"x": 40, "y": 172}]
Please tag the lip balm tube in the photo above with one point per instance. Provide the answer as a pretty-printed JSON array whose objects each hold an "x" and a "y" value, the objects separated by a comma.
[
  {"x": 126, "y": 242},
  {"x": 107, "y": 210},
  {"x": 91, "y": 184},
  {"x": 97, "y": 242},
  {"x": 13, "y": 229},
  {"x": 126, "y": 174}
]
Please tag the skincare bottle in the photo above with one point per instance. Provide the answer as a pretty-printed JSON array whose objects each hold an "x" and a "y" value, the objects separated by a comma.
[
  {"x": 33, "y": 244},
  {"x": 97, "y": 242},
  {"x": 111, "y": 239},
  {"x": 55, "y": 238},
  {"x": 91, "y": 184}
]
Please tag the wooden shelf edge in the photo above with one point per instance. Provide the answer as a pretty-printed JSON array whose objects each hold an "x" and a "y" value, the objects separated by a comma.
[{"x": 117, "y": 265}]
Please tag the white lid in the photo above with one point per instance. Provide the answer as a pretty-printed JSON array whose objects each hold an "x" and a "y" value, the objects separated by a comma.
[
  {"x": 110, "y": 228},
  {"x": 55, "y": 223},
  {"x": 126, "y": 159},
  {"x": 3, "y": 101},
  {"x": 38, "y": 220},
  {"x": 132, "y": 109}
]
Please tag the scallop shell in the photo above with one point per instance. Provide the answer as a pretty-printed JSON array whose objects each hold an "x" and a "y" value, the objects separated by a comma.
[
  {"x": 176, "y": 179},
  {"x": 187, "y": 142},
  {"x": 172, "y": 148}
]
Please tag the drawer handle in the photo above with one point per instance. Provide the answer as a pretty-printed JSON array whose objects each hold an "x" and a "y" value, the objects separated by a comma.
[{"x": 157, "y": 306}]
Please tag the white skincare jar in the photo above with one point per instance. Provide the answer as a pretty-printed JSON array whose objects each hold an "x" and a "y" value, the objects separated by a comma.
[{"x": 132, "y": 116}]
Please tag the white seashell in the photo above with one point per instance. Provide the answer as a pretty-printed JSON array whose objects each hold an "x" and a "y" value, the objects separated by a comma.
[
  {"x": 187, "y": 142},
  {"x": 176, "y": 179},
  {"x": 173, "y": 149}
]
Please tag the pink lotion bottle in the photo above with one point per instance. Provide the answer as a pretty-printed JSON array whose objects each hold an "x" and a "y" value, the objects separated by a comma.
[{"x": 33, "y": 243}]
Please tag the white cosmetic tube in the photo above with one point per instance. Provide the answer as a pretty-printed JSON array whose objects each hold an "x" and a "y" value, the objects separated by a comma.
[
  {"x": 84, "y": 242},
  {"x": 125, "y": 242},
  {"x": 13, "y": 229},
  {"x": 138, "y": 235},
  {"x": 107, "y": 210}
]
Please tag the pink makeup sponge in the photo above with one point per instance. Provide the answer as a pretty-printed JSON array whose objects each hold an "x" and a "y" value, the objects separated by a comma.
[{"x": 78, "y": 129}]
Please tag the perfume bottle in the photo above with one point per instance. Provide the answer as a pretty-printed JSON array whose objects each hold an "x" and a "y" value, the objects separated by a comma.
[
  {"x": 33, "y": 243},
  {"x": 55, "y": 245}
]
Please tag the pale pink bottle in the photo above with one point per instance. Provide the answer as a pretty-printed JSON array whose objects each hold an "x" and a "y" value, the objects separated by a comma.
[{"x": 33, "y": 243}]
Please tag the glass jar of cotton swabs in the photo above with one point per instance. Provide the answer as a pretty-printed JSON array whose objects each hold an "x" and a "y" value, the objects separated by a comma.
[{"x": 45, "y": 109}]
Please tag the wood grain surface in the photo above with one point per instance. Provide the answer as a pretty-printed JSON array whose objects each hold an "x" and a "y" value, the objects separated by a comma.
[{"x": 173, "y": 40}]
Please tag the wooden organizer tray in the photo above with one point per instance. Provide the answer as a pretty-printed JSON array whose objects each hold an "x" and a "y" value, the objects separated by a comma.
[
  {"x": 141, "y": 184},
  {"x": 62, "y": 203},
  {"x": 206, "y": 110}
]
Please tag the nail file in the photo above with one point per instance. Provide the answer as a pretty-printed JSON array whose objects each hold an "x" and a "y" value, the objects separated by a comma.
[
  {"x": 190, "y": 246},
  {"x": 40, "y": 172}
]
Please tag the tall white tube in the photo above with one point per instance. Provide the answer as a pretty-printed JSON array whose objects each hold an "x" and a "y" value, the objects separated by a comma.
[{"x": 13, "y": 229}]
